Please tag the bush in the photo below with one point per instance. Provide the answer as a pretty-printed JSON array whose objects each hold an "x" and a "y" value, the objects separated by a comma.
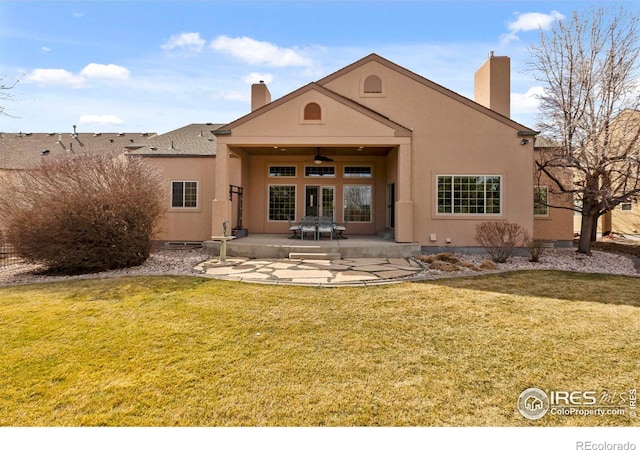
[
  {"x": 534, "y": 246},
  {"x": 499, "y": 239},
  {"x": 83, "y": 214}
]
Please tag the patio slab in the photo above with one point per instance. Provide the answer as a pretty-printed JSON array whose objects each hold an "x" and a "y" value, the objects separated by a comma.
[{"x": 351, "y": 272}]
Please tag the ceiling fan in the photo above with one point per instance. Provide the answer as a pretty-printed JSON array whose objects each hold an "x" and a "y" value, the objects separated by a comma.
[{"x": 319, "y": 159}]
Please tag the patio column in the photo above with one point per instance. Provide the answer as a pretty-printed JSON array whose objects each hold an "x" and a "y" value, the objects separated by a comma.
[
  {"x": 404, "y": 202},
  {"x": 221, "y": 205}
]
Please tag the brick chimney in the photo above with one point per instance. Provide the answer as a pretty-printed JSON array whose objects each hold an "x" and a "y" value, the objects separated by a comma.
[
  {"x": 260, "y": 95},
  {"x": 493, "y": 84}
]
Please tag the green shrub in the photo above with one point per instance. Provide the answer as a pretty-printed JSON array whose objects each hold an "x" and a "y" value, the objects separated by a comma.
[{"x": 83, "y": 214}]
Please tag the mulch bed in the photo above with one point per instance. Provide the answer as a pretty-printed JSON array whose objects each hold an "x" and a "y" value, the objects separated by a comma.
[{"x": 631, "y": 249}]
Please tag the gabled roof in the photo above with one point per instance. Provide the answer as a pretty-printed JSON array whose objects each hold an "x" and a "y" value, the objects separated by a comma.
[
  {"x": 522, "y": 130},
  {"x": 191, "y": 140},
  {"x": 27, "y": 150},
  {"x": 400, "y": 129}
]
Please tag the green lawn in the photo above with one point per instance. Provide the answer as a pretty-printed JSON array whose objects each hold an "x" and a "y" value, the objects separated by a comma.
[{"x": 182, "y": 351}]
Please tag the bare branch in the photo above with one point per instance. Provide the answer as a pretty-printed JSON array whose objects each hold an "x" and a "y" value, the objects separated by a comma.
[{"x": 590, "y": 107}]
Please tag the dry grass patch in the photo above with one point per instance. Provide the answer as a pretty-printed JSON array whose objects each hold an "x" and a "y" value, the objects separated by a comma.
[{"x": 179, "y": 351}]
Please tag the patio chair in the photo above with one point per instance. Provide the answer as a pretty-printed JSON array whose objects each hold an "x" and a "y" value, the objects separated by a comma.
[
  {"x": 340, "y": 229},
  {"x": 309, "y": 225},
  {"x": 325, "y": 225},
  {"x": 295, "y": 230}
]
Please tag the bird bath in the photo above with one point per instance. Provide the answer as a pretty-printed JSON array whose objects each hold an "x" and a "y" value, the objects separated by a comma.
[{"x": 223, "y": 246}]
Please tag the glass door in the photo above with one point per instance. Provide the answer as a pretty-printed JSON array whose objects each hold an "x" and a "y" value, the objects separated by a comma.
[
  {"x": 319, "y": 201},
  {"x": 311, "y": 201},
  {"x": 327, "y": 206}
]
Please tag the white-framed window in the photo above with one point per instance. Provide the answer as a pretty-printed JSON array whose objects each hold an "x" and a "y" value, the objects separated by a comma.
[
  {"x": 282, "y": 202},
  {"x": 282, "y": 171},
  {"x": 184, "y": 194},
  {"x": 320, "y": 171},
  {"x": 357, "y": 203},
  {"x": 469, "y": 194},
  {"x": 540, "y": 200},
  {"x": 358, "y": 172}
]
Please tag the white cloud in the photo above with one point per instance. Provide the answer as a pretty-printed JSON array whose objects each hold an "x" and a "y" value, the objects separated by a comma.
[
  {"x": 62, "y": 77},
  {"x": 528, "y": 102},
  {"x": 530, "y": 21},
  {"x": 255, "y": 77},
  {"x": 186, "y": 41},
  {"x": 59, "y": 77},
  {"x": 107, "y": 71},
  {"x": 259, "y": 52},
  {"x": 105, "y": 119},
  {"x": 45, "y": 49}
]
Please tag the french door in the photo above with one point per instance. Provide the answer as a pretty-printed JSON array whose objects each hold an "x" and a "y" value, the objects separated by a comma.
[{"x": 319, "y": 201}]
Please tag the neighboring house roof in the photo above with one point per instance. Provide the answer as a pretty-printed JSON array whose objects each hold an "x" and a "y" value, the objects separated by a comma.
[
  {"x": 545, "y": 142},
  {"x": 191, "y": 140},
  {"x": 399, "y": 129},
  {"x": 27, "y": 150},
  {"x": 523, "y": 130}
]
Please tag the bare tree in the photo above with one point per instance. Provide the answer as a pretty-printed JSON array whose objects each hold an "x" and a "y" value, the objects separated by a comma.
[
  {"x": 4, "y": 95},
  {"x": 588, "y": 64}
]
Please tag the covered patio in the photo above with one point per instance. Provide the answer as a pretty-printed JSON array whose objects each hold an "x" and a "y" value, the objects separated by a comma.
[
  {"x": 344, "y": 162},
  {"x": 282, "y": 246}
]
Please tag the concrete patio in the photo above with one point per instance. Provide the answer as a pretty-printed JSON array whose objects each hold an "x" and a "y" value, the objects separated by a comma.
[{"x": 282, "y": 246}]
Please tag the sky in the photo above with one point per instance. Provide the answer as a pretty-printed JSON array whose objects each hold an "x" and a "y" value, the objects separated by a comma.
[{"x": 157, "y": 66}]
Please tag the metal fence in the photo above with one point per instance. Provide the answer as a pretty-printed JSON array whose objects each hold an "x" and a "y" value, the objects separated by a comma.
[{"x": 8, "y": 255}]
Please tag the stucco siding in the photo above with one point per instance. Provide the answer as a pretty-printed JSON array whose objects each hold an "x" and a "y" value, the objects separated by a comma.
[
  {"x": 449, "y": 138},
  {"x": 186, "y": 224}
]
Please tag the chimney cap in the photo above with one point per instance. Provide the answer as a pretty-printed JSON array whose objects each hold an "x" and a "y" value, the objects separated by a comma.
[{"x": 492, "y": 54}]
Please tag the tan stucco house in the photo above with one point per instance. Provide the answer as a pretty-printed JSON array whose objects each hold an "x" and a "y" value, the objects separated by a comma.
[{"x": 373, "y": 145}]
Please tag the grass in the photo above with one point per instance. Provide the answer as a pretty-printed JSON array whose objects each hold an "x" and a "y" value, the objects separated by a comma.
[{"x": 182, "y": 351}]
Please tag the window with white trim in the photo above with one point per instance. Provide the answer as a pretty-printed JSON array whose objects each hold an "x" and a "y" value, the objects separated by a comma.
[
  {"x": 282, "y": 171},
  {"x": 320, "y": 171},
  {"x": 540, "y": 200},
  {"x": 282, "y": 202},
  {"x": 469, "y": 194},
  {"x": 357, "y": 172},
  {"x": 184, "y": 194},
  {"x": 357, "y": 203}
]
